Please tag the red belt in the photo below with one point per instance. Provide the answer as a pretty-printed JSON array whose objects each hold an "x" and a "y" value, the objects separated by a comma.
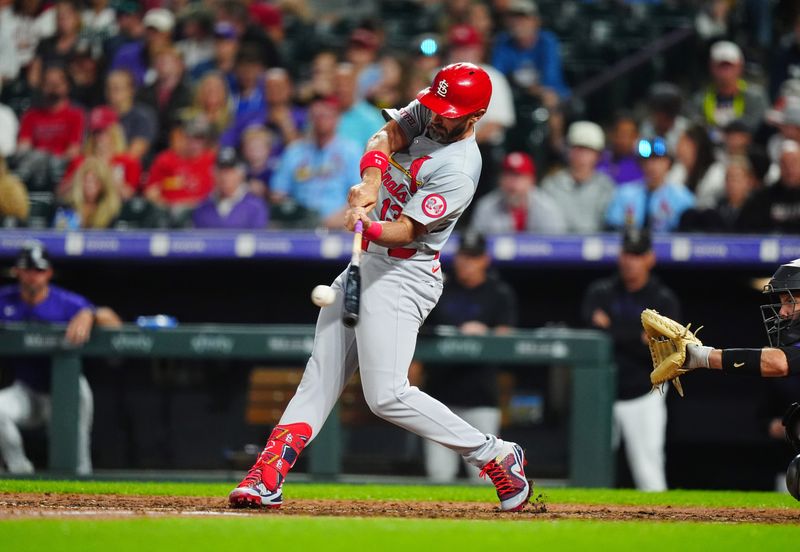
[{"x": 396, "y": 252}]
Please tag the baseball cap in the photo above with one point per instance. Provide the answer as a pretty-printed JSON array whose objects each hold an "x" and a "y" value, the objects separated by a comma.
[
  {"x": 197, "y": 127},
  {"x": 329, "y": 100},
  {"x": 472, "y": 244},
  {"x": 636, "y": 241},
  {"x": 84, "y": 49},
  {"x": 249, "y": 53},
  {"x": 102, "y": 117},
  {"x": 586, "y": 134},
  {"x": 726, "y": 51},
  {"x": 160, "y": 19},
  {"x": 363, "y": 38},
  {"x": 126, "y": 7},
  {"x": 790, "y": 115},
  {"x": 33, "y": 256},
  {"x": 519, "y": 163},
  {"x": 789, "y": 146},
  {"x": 790, "y": 88},
  {"x": 523, "y": 7},
  {"x": 461, "y": 36},
  {"x": 223, "y": 29},
  {"x": 228, "y": 158},
  {"x": 265, "y": 15},
  {"x": 736, "y": 125},
  {"x": 665, "y": 97}
]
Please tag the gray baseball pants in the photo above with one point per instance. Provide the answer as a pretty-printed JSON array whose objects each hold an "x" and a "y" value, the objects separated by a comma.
[{"x": 396, "y": 297}]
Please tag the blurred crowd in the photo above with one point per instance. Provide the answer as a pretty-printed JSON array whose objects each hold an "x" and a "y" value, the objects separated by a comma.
[{"x": 253, "y": 114}]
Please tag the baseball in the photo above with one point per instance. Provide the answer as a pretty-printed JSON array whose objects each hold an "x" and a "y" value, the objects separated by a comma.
[{"x": 322, "y": 296}]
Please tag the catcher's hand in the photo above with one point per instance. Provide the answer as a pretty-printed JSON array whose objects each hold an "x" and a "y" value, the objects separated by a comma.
[{"x": 668, "y": 341}]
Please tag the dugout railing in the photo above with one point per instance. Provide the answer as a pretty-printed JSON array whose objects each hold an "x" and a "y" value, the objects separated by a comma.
[{"x": 587, "y": 352}]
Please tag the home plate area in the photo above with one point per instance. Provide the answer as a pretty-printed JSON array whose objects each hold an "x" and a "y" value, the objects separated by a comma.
[{"x": 33, "y": 505}]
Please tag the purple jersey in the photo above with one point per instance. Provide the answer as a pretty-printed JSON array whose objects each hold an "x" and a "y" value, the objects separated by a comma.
[
  {"x": 247, "y": 211},
  {"x": 621, "y": 170},
  {"x": 59, "y": 306}
]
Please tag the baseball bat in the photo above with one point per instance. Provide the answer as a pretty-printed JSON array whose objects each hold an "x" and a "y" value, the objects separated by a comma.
[{"x": 352, "y": 287}]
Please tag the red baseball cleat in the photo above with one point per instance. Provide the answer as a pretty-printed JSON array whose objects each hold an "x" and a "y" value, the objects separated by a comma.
[
  {"x": 507, "y": 472},
  {"x": 263, "y": 484}
]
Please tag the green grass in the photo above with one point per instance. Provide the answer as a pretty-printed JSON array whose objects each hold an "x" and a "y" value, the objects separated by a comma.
[
  {"x": 407, "y": 492},
  {"x": 198, "y": 534},
  {"x": 331, "y": 534}
]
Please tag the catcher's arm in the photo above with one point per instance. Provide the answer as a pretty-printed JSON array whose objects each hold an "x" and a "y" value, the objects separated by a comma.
[
  {"x": 771, "y": 363},
  {"x": 675, "y": 350}
]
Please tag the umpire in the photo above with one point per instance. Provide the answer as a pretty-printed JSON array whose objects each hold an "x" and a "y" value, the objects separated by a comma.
[{"x": 615, "y": 305}]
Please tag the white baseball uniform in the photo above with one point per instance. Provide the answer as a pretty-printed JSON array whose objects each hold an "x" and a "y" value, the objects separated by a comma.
[
  {"x": 433, "y": 184},
  {"x": 21, "y": 406}
]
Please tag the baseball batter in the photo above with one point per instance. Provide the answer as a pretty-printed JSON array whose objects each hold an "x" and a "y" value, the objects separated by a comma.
[{"x": 419, "y": 174}]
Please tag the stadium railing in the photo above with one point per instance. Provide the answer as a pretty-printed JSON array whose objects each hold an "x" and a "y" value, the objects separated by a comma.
[{"x": 691, "y": 250}]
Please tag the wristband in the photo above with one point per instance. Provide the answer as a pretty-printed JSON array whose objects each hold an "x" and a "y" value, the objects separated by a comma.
[
  {"x": 374, "y": 158},
  {"x": 373, "y": 231},
  {"x": 697, "y": 356},
  {"x": 746, "y": 362}
]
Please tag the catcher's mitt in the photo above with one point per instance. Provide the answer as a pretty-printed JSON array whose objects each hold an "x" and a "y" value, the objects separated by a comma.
[{"x": 667, "y": 340}]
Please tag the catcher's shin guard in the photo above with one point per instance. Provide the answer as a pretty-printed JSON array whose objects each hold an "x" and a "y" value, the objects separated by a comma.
[
  {"x": 793, "y": 477},
  {"x": 263, "y": 484},
  {"x": 791, "y": 424}
]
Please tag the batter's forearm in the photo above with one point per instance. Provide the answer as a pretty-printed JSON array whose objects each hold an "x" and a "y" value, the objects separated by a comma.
[
  {"x": 380, "y": 141},
  {"x": 389, "y": 139},
  {"x": 375, "y": 161},
  {"x": 398, "y": 233}
]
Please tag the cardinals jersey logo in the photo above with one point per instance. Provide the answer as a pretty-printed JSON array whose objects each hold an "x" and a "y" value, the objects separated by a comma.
[
  {"x": 441, "y": 90},
  {"x": 434, "y": 206}
]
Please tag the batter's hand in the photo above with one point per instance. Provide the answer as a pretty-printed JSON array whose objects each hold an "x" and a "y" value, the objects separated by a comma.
[
  {"x": 365, "y": 193},
  {"x": 354, "y": 214},
  {"x": 79, "y": 328}
]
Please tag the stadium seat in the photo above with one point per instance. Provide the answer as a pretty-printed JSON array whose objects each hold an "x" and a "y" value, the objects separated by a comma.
[
  {"x": 290, "y": 214},
  {"x": 42, "y": 209},
  {"x": 140, "y": 213}
]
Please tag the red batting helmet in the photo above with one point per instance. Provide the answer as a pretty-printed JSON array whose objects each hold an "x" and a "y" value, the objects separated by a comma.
[{"x": 457, "y": 90}]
